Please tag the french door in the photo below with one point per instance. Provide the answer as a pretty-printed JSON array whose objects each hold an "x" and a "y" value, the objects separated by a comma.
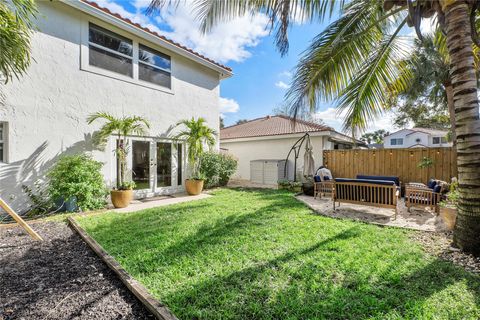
[{"x": 156, "y": 166}]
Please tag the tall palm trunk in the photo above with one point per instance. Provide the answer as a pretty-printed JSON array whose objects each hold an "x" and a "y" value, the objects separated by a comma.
[
  {"x": 462, "y": 73},
  {"x": 451, "y": 110}
]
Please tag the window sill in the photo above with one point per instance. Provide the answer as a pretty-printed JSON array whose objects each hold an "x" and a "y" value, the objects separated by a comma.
[{"x": 120, "y": 77}]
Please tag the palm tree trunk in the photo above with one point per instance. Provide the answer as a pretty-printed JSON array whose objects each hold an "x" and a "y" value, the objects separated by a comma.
[
  {"x": 462, "y": 73},
  {"x": 451, "y": 111}
]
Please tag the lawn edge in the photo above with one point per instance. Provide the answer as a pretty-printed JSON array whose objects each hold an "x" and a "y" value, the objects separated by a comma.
[{"x": 159, "y": 310}]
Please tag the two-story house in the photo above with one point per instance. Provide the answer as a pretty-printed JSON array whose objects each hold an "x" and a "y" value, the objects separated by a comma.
[
  {"x": 417, "y": 138},
  {"x": 88, "y": 59}
]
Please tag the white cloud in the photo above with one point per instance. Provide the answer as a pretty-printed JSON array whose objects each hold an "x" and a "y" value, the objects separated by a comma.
[
  {"x": 228, "y": 105},
  {"x": 228, "y": 41},
  {"x": 137, "y": 17},
  {"x": 282, "y": 85},
  {"x": 286, "y": 74},
  {"x": 333, "y": 118}
]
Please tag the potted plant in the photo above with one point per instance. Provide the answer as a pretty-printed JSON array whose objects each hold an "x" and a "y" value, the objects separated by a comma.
[
  {"x": 121, "y": 128},
  {"x": 196, "y": 135},
  {"x": 296, "y": 187},
  {"x": 283, "y": 184},
  {"x": 448, "y": 207}
]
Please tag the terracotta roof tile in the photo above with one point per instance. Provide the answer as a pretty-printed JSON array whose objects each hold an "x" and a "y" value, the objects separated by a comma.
[
  {"x": 270, "y": 126},
  {"x": 106, "y": 10}
]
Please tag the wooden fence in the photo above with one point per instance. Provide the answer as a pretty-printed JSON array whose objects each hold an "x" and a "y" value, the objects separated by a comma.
[{"x": 402, "y": 163}]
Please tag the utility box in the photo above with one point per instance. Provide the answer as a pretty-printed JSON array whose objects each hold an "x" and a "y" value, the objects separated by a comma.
[{"x": 268, "y": 171}]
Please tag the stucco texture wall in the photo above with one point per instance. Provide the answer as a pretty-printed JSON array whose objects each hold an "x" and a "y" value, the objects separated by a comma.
[
  {"x": 267, "y": 148},
  {"x": 46, "y": 109}
]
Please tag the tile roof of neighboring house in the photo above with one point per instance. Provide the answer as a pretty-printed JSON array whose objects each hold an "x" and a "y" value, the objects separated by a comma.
[
  {"x": 106, "y": 10},
  {"x": 270, "y": 126}
]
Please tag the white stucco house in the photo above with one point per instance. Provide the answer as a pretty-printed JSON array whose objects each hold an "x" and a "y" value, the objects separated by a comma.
[
  {"x": 87, "y": 59},
  {"x": 417, "y": 138},
  {"x": 270, "y": 139}
]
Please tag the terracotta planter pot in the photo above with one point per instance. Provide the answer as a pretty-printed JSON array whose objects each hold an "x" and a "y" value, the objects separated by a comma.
[
  {"x": 193, "y": 187},
  {"x": 449, "y": 216},
  {"x": 121, "y": 198}
]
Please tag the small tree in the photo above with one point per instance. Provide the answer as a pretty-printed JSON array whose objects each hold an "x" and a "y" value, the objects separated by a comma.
[
  {"x": 196, "y": 135},
  {"x": 122, "y": 128}
]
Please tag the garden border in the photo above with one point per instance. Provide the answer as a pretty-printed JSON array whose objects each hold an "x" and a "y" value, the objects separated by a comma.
[{"x": 158, "y": 309}]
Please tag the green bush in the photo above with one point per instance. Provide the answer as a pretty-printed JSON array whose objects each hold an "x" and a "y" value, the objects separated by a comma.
[
  {"x": 217, "y": 168},
  {"x": 78, "y": 176}
]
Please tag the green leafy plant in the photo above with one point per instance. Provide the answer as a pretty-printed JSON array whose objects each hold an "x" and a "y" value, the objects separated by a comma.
[
  {"x": 122, "y": 128},
  {"x": 284, "y": 182},
  {"x": 39, "y": 197},
  {"x": 78, "y": 176},
  {"x": 426, "y": 162},
  {"x": 453, "y": 197},
  {"x": 196, "y": 135},
  {"x": 217, "y": 168}
]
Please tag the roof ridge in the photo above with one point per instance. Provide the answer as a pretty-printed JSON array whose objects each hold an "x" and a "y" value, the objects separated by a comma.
[
  {"x": 248, "y": 121},
  {"x": 310, "y": 123},
  {"x": 127, "y": 20}
]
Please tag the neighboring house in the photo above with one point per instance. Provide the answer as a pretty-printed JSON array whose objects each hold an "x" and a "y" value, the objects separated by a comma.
[
  {"x": 272, "y": 137},
  {"x": 86, "y": 59},
  {"x": 417, "y": 138}
]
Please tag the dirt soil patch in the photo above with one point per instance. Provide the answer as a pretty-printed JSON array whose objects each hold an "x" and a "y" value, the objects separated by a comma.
[{"x": 60, "y": 278}]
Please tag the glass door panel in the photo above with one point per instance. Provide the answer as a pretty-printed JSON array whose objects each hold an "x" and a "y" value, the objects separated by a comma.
[
  {"x": 179, "y": 165},
  {"x": 141, "y": 164},
  {"x": 164, "y": 164}
]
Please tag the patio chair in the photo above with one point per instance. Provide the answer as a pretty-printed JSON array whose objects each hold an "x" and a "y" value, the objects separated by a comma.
[
  {"x": 323, "y": 183},
  {"x": 423, "y": 196}
]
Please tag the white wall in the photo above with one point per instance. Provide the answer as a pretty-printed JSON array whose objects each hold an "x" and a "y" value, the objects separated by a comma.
[
  {"x": 270, "y": 148},
  {"x": 46, "y": 109},
  {"x": 412, "y": 138}
]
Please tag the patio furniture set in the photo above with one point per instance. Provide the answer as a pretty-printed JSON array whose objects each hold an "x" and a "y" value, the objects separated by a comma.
[{"x": 378, "y": 191}]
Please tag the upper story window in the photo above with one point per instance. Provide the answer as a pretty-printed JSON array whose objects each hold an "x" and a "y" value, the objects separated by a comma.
[
  {"x": 3, "y": 138},
  {"x": 438, "y": 140},
  {"x": 154, "y": 67},
  {"x": 110, "y": 51},
  {"x": 396, "y": 141}
]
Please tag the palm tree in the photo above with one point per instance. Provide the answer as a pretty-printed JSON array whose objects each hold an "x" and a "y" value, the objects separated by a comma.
[
  {"x": 196, "y": 135},
  {"x": 122, "y": 128},
  {"x": 356, "y": 58},
  {"x": 16, "y": 28}
]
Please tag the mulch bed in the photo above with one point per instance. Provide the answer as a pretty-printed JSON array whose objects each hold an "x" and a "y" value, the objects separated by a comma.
[
  {"x": 440, "y": 245},
  {"x": 60, "y": 278}
]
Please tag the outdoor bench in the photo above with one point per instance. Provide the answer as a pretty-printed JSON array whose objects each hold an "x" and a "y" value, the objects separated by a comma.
[{"x": 377, "y": 193}]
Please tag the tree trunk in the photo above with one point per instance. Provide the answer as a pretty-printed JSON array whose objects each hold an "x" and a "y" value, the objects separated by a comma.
[
  {"x": 451, "y": 111},
  {"x": 467, "y": 129}
]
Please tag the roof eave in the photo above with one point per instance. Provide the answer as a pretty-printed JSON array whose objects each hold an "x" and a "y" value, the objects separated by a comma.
[{"x": 100, "y": 14}]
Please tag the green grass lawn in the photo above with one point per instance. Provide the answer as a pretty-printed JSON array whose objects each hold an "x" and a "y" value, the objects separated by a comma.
[{"x": 251, "y": 254}]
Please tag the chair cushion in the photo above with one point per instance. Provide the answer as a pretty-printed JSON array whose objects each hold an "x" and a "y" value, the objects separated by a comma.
[
  {"x": 432, "y": 183},
  {"x": 317, "y": 179},
  {"x": 384, "y": 178},
  {"x": 437, "y": 188},
  {"x": 324, "y": 172},
  {"x": 326, "y": 178}
]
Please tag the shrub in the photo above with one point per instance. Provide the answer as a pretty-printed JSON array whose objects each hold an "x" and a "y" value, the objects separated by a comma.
[
  {"x": 78, "y": 176},
  {"x": 217, "y": 168}
]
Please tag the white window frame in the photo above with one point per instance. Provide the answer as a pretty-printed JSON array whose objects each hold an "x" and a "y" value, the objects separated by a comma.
[
  {"x": 396, "y": 141},
  {"x": 154, "y": 66},
  {"x": 441, "y": 140},
  {"x": 4, "y": 141},
  {"x": 85, "y": 64}
]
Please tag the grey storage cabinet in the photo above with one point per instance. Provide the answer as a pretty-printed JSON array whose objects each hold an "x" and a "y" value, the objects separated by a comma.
[{"x": 267, "y": 171}]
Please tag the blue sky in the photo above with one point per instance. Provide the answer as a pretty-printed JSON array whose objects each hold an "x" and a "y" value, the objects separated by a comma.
[{"x": 261, "y": 75}]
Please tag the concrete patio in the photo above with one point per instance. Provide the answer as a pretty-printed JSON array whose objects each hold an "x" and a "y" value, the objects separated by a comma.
[
  {"x": 137, "y": 205},
  {"x": 417, "y": 219}
]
